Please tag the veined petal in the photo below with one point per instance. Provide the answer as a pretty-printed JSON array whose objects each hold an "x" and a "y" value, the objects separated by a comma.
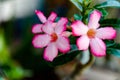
[
  {"x": 50, "y": 52},
  {"x": 41, "y": 16},
  {"x": 52, "y": 16},
  {"x": 106, "y": 33},
  {"x": 61, "y": 25},
  {"x": 83, "y": 42},
  {"x": 94, "y": 19},
  {"x": 79, "y": 28},
  {"x": 37, "y": 28},
  {"x": 40, "y": 41},
  {"x": 48, "y": 28},
  {"x": 63, "y": 44},
  {"x": 98, "y": 47}
]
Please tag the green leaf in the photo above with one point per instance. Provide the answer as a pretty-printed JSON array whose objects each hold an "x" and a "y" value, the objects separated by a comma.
[
  {"x": 81, "y": 1},
  {"x": 87, "y": 2},
  {"x": 114, "y": 50},
  {"x": 77, "y": 17},
  {"x": 4, "y": 52},
  {"x": 64, "y": 58},
  {"x": 109, "y": 3},
  {"x": 77, "y": 4},
  {"x": 109, "y": 43},
  {"x": 72, "y": 40},
  {"x": 110, "y": 22}
]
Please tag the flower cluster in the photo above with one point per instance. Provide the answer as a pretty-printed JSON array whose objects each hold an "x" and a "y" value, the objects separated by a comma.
[{"x": 54, "y": 37}]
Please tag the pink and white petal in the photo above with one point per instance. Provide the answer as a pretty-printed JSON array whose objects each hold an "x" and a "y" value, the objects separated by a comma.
[
  {"x": 66, "y": 33},
  {"x": 52, "y": 16},
  {"x": 94, "y": 19},
  {"x": 50, "y": 52},
  {"x": 54, "y": 25},
  {"x": 48, "y": 28},
  {"x": 63, "y": 44},
  {"x": 41, "y": 16},
  {"x": 83, "y": 42},
  {"x": 98, "y": 47},
  {"x": 79, "y": 28},
  {"x": 106, "y": 33},
  {"x": 40, "y": 41},
  {"x": 61, "y": 25},
  {"x": 37, "y": 28}
]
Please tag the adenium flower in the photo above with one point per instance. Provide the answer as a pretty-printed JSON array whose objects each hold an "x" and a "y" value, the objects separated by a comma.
[
  {"x": 92, "y": 35},
  {"x": 37, "y": 28},
  {"x": 53, "y": 38}
]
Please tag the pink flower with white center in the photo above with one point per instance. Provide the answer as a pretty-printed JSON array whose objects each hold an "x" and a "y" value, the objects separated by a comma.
[
  {"x": 92, "y": 35},
  {"x": 37, "y": 27},
  {"x": 53, "y": 39}
]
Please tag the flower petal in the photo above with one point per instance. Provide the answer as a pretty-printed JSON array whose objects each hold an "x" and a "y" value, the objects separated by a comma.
[
  {"x": 94, "y": 19},
  {"x": 106, "y": 33},
  {"x": 41, "y": 16},
  {"x": 98, "y": 47},
  {"x": 63, "y": 44},
  {"x": 37, "y": 28},
  {"x": 50, "y": 52},
  {"x": 48, "y": 28},
  {"x": 40, "y": 41},
  {"x": 83, "y": 42},
  {"x": 78, "y": 28},
  {"x": 61, "y": 25},
  {"x": 52, "y": 16},
  {"x": 66, "y": 34}
]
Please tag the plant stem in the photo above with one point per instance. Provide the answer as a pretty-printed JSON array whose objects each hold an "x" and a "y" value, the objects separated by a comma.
[{"x": 80, "y": 67}]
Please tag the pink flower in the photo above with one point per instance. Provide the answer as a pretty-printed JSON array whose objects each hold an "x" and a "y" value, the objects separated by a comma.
[
  {"x": 37, "y": 27},
  {"x": 92, "y": 35},
  {"x": 53, "y": 39}
]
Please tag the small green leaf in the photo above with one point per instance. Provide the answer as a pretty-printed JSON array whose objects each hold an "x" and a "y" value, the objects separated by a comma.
[
  {"x": 109, "y": 43},
  {"x": 115, "y": 52},
  {"x": 109, "y": 3},
  {"x": 87, "y": 2},
  {"x": 77, "y": 17},
  {"x": 81, "y": 1},
  {"x": 77, "y": 4}
]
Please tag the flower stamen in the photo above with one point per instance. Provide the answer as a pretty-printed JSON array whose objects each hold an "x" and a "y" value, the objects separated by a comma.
[
  {"x": 91, "y": 33},
  {"x": 54, "y": 37}
]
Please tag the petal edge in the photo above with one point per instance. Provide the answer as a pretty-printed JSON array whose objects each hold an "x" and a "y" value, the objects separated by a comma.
[
  {"x": 98, "y": 47},
  {"x": 40, "y": 41},
  {"x": 36, "y": 28},
  {"x": 61, "y": 25},
  {"x": 106, "y": 33},
  {"x": 94, "y": 19},
  {"x": 63, "y": 44},
  {"x": 50, "y": 52},
  {"x": 41, "y": 16},
  {"x": 83, "y": 42},
  {"x": 52, "y": 16},
  {"x": 79, "y": 28}
]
